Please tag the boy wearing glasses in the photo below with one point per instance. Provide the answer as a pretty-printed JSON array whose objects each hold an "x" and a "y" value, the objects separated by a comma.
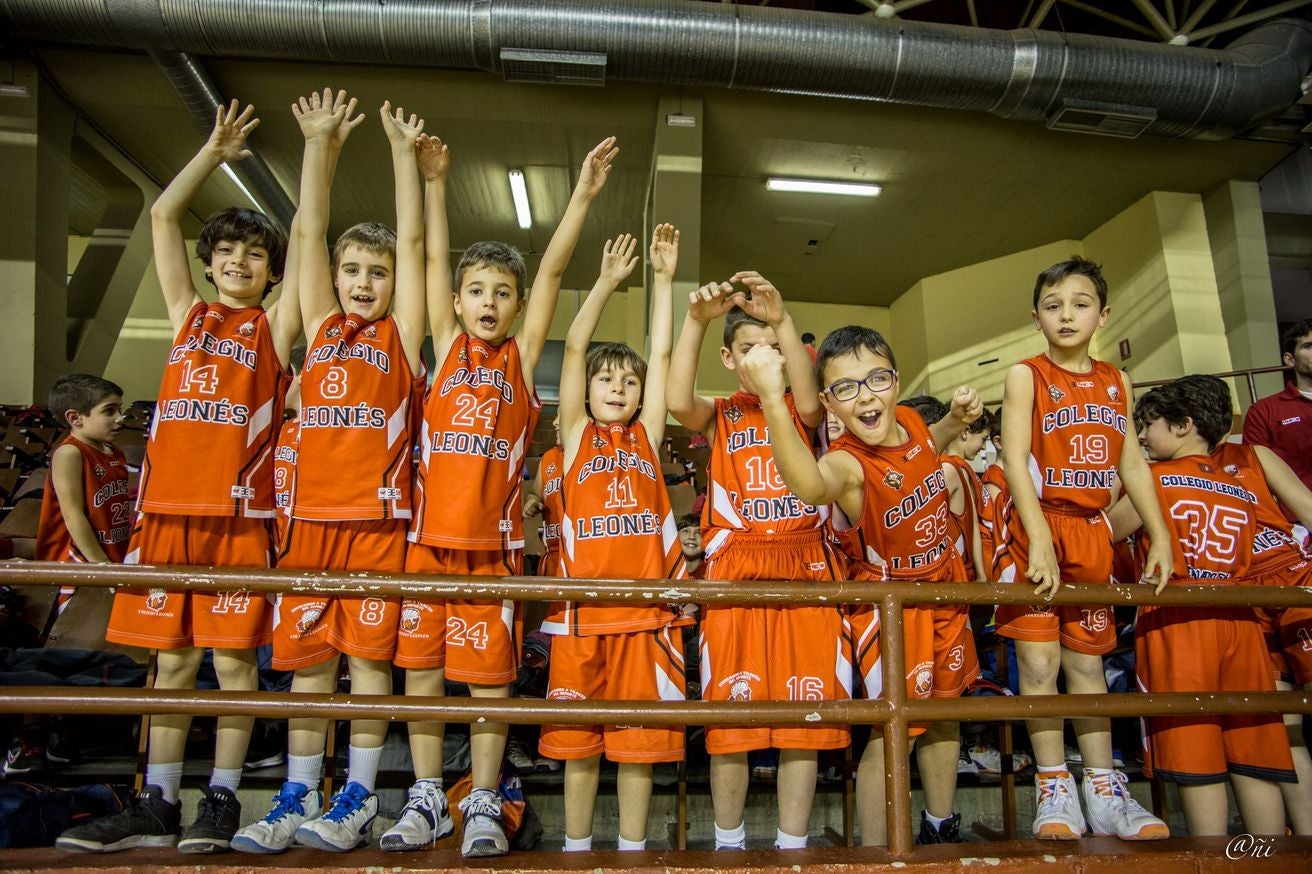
[
  {"x": 1070, "y": 446},
  {"x": 885, "y": 475},
  {"x": 754, "y": 528}
]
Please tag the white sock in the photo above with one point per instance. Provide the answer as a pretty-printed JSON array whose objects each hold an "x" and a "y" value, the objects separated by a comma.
[
  {"x": 731, "y": 838},
  {"x": 305, "y": 770},
  {"x": 228, "y": 778},
  {"x": 168, "y": 777},
  {"x": 633, "y": 845},
  {"x": 578, "y": 845},
  {"x": 362, "y": 765},
  {"x": 933, "y": 820},
  {"x": 784, "y": 841}
]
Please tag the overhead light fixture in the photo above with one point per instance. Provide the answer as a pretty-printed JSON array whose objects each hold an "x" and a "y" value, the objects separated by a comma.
[
  {"x": 520, "y": 195},
  {"x": 815, "y": 186},
  {"x": 678, "y": 119},
  {"x": 244, "y": 189},
  {"x": 13, "y": 89}
]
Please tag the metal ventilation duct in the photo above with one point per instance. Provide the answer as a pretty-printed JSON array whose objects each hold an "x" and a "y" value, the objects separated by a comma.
[{"x": 1020, "y": 74}]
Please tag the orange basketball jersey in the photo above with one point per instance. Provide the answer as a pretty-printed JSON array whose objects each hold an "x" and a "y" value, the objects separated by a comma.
[
  {"x": 975, "y": 511},
  {"x": 1076, "y": 434},
  {"x": 220, "y": 402},
  {"x": 617, "y": 523},
  {"x": 746, "y": 492},
  {"x": 355, "y": 404},
  {"x": 477, "y": 423},
  {"x": 553, "y": 507},
  {"x": 105, "y": 503},
  {"x": 1274, "y": 547},
  {"x": 284, "y": 473},
  {"x": 1211, "y": 514},
  {"x": 903, "y": 530}
]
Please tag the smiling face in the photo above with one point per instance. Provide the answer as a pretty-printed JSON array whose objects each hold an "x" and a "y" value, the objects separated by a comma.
[
  {"x": 690, "y": 541},
  {"x": 745, "y": 338},
  {"x": 1069, "y": 312},
  {"x": 614, "y": 394},
  {"x": 488, "y": 302},
  {"x": 365, "y": 281},
  {"x": 869, "y": 416},
  {"x": 240, "y": 272}
]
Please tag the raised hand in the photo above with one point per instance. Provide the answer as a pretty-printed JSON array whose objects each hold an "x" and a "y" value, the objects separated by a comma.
[
  {"x": 618, "y": 259},
  {"x": 711, "y": 301},
  {"x": 762, "y": 300},
  {"x": 596, "y": 168},
  {"x": 227, "y": 141},
  {"x": 764, "y": 366},
  {"x": 350, "y": 121},
  {"x": 320, "y": 114},
  {"x": 433, "y": 157},
  {"x": 664, "y": 251},
  {"x": 400, "y": 131},
  {"x": 966, "y": 405}
]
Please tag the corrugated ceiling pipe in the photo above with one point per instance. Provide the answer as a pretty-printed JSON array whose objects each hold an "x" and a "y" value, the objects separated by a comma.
[
  {"x": 1021, "y": 74},
  {"x": 201, "y": 98}
]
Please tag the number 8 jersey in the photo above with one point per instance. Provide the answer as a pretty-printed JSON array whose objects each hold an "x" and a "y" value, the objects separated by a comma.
[{"x": 1076, "y": 434}]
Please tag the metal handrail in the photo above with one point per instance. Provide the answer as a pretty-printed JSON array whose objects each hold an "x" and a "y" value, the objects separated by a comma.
[{"x": 894, "y": 711}]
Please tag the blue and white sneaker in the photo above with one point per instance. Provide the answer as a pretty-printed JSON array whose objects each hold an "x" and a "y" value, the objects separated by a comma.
[
  {"x": 347, "y": 824},
  {"x": 294, "y": 805}
]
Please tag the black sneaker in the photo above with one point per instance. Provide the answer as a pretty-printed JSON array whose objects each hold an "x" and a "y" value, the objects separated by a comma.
[
  {"x": 947, "y": 833},
  {"x": 149, "y": 822},
  {"x": 60, "y": 749},
  {"x": 218, "y": 816},
  {"x": 25, "y": 756}
]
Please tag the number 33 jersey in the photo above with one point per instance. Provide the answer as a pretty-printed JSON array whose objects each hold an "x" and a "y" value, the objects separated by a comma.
[{"x": 1076, "y": 434}]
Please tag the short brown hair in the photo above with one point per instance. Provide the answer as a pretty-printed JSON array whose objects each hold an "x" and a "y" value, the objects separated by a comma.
[
  {"x": 370, "y": 236},
  {"x": 491, "y": 253}
]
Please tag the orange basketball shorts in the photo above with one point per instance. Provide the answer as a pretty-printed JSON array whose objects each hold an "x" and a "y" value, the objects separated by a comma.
[{"x": 1288, "y": 632}]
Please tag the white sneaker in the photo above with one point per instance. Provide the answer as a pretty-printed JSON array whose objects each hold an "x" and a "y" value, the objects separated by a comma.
[
  {"x": 965, "y": 764},
  {"x": 425, "y": 819},
  {"x": 346, "y": 825},
  {"x": 1112, "y": 810},
  {"x": 988, "y": 761},
  {"x": 1057, "y": 816},
  {"x": 294, "y": 805},
  {"x": 483, "y": 833}
]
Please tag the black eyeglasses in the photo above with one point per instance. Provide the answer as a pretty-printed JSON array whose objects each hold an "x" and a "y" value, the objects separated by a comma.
[{"x": 876, "y": 381}]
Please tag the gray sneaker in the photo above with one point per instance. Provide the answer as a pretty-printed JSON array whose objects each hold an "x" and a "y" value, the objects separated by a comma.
[
  {"x": 425, "y": 819},
  {"x": 483, "y": 834}
]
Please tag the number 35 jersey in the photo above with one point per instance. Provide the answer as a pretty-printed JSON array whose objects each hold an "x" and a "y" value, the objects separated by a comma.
[
  {"x": 477, "y": 421},
  {"x": 216, "y": 422},
  {"x": 1212, "y": 516},
  {"x": 747, "y": 494},
  {"x": 1076, "y": 434}
]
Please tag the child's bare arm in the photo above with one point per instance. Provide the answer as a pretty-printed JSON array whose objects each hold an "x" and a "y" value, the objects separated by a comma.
[
  {"x": 966, "y": 407},
  {"x": 617, "y": 262},
  {"x": 835, "y": 477},
  {"x": 767, "y": 305},
  {"x": 1285, "y": 485},
  {"x": 1137, "y": 483},
  {"x": 681, "y": 399},
  {"x": 408, "y": 289},
  {"x": 227, "y": 142},
  {"x": 546, "y": 284},
  {"x": 319, "y": 116},
  {"x": 664, "y": 254},
  {"x": 66, "y": 474},
  {"x": 533, "y": 502},
  {"x": 1017, "y": 406},
  {"x": 1124, "y": 520},
  {"x": 434, "y": 161}
]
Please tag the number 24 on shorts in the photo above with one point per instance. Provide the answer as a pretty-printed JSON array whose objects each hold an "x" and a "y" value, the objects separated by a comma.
[{"x": 462, "y": 633}]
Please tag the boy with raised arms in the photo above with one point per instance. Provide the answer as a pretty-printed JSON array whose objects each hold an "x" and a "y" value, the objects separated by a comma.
[{"x": 468, "y": 517}]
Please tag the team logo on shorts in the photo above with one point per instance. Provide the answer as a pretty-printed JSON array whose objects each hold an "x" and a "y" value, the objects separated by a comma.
[
  {"x": 560, "y": 693},
  {"x": 740, "y": 685},
  {"x": 247, "y": 330},
  {"x": 157, "y": 600},
  {"x": 410, "y": 620},
  {"x": 1056, "y": 394},
  {"x": 893, "y": 479},
  {"x": 334, "y": 331},
  {"x": 924, "y": 676},
  {"x": 308, "y": 619},
  {"x": 733, "y": 414},
  {"x": 1113, "y": 392}
]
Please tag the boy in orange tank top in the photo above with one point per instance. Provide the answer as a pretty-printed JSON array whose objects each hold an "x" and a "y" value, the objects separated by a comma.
[
  {"x": 543, "y": 499},
  {"x": 1069, "y": 443},
  {"x": 468, "y": 514},
  {"x": 883, "y": 473},
  {"x": 755, "y": 528},
  {"x": 223, "y": 390},
  {"x": 617, "y": 523},
  {"x": 1212, "y": 506}
]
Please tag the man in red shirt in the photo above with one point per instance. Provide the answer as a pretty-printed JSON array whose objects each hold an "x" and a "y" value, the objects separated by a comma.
[{"x": 1283, "y": 421}]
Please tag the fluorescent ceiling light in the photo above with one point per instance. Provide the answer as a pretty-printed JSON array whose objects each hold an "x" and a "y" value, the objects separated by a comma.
[
  {"x": 244, "y": 189},
  {"x": 520, "y": 195},
  {"x": 814, "y": 186}
]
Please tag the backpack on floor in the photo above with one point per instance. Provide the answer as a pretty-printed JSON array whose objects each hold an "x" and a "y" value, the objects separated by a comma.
[{"x": 33, "y": 815}]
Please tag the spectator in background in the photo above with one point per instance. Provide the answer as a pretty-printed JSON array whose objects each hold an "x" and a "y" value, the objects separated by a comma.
[{"x": 1282, "y": 422}]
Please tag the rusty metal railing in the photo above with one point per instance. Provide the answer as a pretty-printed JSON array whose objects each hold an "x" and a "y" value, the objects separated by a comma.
[{"x": 894, "y": 713}]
